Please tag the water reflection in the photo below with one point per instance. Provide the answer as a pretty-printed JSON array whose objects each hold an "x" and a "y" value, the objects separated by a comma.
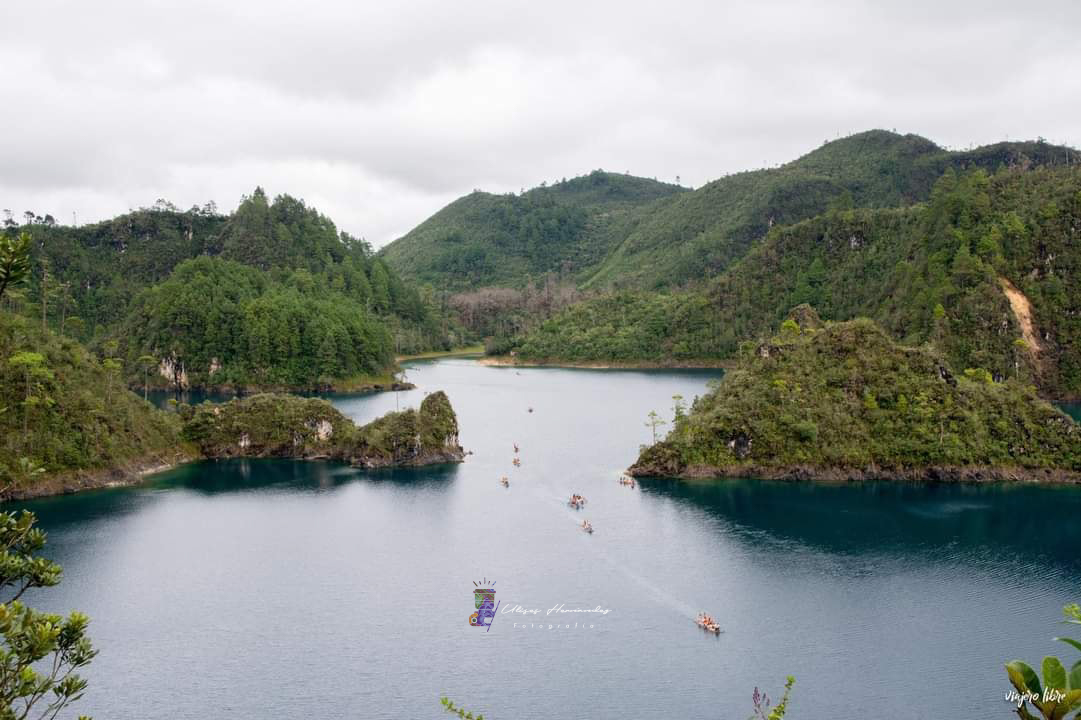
[{"x": 973, "y": 521}]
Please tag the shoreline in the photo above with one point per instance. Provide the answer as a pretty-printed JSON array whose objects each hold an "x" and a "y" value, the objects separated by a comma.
[
  {"x": 127, "y": 473},
  {"x": 508, "y": 361},
  {"x": 248, "y": 390},
  {"x": 933, "y": 474},
  {"x": 467, "y": 351}
]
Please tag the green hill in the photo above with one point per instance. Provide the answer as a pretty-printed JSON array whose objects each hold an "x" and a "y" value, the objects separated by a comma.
[
  {"x": 700, "y": 234},
  {"x": 846, "y": 402},
  {"x": 63, "y": 413},
  {"x": 95, "y": 271},
  {"x": 932, "y": 272},
  {"x": 198, "y": 289},
  {"x": 484, "y": 239},
  {"x": 608, "y": 231}
]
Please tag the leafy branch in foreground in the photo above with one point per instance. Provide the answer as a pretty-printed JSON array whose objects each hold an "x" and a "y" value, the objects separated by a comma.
[
  {"x": 450, "y": 707},
  {"x": 762, "y": 703},
  {"x": 39, "y": 652},
  {"x": 1060, "y": 693}
]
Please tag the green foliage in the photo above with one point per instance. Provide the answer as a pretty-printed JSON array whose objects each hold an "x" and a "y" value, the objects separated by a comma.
[
  {"x": 484, "y": 239},
  {"x": 847, "y": 397},
  {"x": 14, "y": 260},
  {"x": 98, "y": 270},
  {"x": 453, "y": 709},
  {"x": 41, "y": 652},
  {"x": 1060, "y": 693},
  {"x": 272, "y": 425},
  {"x": 912, "y": 270},
  {"x": 762, "y": 704},
  {"x": 227, "y": 323},
  {"x": 59, "y": 417}
]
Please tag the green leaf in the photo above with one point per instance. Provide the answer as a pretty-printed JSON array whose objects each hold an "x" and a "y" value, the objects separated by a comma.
[
  {"x": 1023, "y": 677},
  {"x": 1067, "y": 704},
  {"x": 1074, "y": 679},
  {"x": 1070, "y": 641},
  {"x": 1054, "y": 675}
]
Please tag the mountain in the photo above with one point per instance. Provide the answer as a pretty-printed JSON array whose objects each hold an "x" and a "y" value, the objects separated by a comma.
[
  {"x": 845, "y": 402},
  {"x": 609, "y": 231},
  {"x": 989, "y": 269},
  {"x": 699, "y": 234},
  {"x": 484, "y": 239}
]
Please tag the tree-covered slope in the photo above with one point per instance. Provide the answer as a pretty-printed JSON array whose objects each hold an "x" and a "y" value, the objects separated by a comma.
[
  {"x": 484, "y": 239},
  {"x": 845, "y": 401},
  {"x": 699, "y": 234},
  {"x": 63, "y": 411},
  {"x": 933, "y": 272},
  {"x": 87, "y": 276},
  {"x": 217, "y": 322}
]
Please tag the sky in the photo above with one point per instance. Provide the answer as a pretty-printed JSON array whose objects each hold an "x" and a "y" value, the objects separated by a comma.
[{"x": 380, "y": 113}]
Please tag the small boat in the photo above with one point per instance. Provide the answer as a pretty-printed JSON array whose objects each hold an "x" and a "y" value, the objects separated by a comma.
[
  {"x": 587, "y": 526},
  {"x": 576, "y": 501},
  {"x": 708, "y": 624},
  {"x": 515, "y": 448},
  {"x": 517, "y": 462},
  {"x": 626, "y": 480},
  {"x": 504, "y": 481}
]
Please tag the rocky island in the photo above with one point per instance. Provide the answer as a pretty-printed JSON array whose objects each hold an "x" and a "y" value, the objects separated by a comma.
[
  {"x": 843, "y": 401},
  {"x": 270, "y": 425}
]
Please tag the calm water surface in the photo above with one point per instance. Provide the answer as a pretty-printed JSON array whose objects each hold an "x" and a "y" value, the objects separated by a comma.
[{"x": 256, "y": 589}]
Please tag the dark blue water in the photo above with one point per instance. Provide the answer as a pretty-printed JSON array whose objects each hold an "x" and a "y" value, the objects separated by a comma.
[{"x": 257, "y": 589}]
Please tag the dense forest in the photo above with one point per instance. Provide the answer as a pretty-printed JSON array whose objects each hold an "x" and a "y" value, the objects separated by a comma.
[
  {"x": 64, "y": 410},
  {"x": 932, "y": 272},
  {"x": 845, "y": 401},
  {"x": 197, "y": 288},
  {"x": 507, "y": 240}
]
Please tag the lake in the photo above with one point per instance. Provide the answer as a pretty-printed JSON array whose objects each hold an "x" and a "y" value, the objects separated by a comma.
[{"x": 255, "y": 589}]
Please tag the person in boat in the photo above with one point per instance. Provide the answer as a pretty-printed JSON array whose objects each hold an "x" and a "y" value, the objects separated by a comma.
[{"x": 515, "y": 448}]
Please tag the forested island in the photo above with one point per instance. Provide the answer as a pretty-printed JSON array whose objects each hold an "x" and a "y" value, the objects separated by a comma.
[{"x": 842, "y": 401}]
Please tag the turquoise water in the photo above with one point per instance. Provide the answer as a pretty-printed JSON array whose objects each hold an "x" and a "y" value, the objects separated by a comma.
[
  {"x": 1073, "y": 411},
  {"x": 255, "y": 589}
]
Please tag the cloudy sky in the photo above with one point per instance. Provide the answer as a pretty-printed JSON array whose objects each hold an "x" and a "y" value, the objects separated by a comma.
[{"x": 380, "y": 113}]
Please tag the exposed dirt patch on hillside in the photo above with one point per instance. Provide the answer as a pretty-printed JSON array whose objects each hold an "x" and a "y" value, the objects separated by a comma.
[{"x": 1022, "y": 310}]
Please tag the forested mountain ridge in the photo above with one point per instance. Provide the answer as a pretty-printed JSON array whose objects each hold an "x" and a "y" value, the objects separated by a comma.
[
  {"x": 697, "y": 235},
  {"x": 649, "y": 236},
  {"x": 929, "y": 273},
  {"x": 485, "y": 239}
]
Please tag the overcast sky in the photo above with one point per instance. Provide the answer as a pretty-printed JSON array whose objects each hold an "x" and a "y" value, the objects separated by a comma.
[{"x": 379, "y": 113}]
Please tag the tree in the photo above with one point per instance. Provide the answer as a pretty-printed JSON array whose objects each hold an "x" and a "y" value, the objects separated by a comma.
[
  {"x": 32, "y": 365},
  {"x": 31, "y": 685},
  {"x": 147, "y": 362},
  {"x": 14, "y": 260},
  {"x": 654, "y": 422}
]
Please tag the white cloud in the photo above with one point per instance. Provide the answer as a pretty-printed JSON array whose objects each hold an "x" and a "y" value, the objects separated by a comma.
[{"x": 380, "y": 113}]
